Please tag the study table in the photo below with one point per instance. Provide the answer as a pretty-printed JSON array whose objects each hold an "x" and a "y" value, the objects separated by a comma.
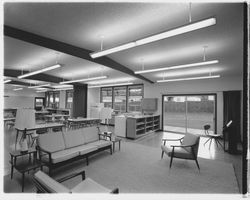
[{"x": 38, "y": 127}]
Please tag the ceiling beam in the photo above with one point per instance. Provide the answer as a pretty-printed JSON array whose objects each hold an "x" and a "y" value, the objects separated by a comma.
[
  {"x": 39, "y": 77},
  {"x": 68, "y": 49}
]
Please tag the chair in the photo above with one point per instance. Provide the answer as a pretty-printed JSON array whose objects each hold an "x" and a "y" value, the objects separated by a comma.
[
  {"x": 210, "y": 136},
  {"x": 46, "y": 184},
  {"x": 188, "y": 148}
]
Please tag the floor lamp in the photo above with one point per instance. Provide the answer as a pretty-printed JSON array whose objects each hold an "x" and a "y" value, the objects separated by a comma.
[{"x": 25, "y": 119}]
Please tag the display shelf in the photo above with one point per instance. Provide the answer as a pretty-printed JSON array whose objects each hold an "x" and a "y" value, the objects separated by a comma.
[{"x": 141, "y": 125}]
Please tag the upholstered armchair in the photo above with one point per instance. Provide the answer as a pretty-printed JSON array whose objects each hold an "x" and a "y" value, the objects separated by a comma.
[
  {"x": 187, "y": 149},
  {"x": 46, "y": 184}
]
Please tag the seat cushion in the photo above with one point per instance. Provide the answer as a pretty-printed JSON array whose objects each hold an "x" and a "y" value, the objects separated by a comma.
[
  {"x": 90, "y": 134},
  {"x": 51, "y": 142},
  {"x": 89, "y": 186},
  {"x": 73, "y": 138},
  {"x": 179, "y": 152},
  {"x": 87, "y": 148},
  {"x": 101, "y": 143},
  {"x": 63, "y": 155},
  {"x": 50, "y": 184}
]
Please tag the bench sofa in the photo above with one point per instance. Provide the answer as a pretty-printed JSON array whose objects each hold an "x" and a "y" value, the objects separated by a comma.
[{"x": 58, "y": 148}]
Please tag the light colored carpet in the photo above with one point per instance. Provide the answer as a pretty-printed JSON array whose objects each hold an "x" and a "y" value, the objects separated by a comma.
[{"x": 139, "y": 169}]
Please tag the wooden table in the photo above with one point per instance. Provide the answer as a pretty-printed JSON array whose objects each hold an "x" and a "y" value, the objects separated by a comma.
[
  {"x": 24, "y": 165},
  {"x": 38, "y": 127}
]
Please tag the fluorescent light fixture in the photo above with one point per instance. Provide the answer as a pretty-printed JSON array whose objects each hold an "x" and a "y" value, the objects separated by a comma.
[
  {"x": 186, "y": 79},
  {"x": 84, "y": 80},
  {"x": 170, "y": 33},
  {"x": 7, "y": 81},
  {"x": 177, "y": 31},
  {"x": 59, "y": 89},
  {"x": 109, "y": 85},
  {"x": 16, "y": 89},
  {"x": 39, "y": 71},
  {"x": 41, "y": 91},
  {"x": 38, "y": 86},
  {"x": 113, "y": 50},
  {"x": 178, "y": 67}
]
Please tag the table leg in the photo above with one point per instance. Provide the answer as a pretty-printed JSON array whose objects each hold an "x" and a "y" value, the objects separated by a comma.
[
  {"x": 23, "y": 182},
  {"x": 113, "y": 146},
  {"x": 119, "y": 145}
]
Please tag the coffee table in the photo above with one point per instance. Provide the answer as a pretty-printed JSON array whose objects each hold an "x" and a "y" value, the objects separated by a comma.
[{"x": 23, "y": 165}]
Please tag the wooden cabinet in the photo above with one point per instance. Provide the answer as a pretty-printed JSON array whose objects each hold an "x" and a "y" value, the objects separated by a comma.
[{"x": 139, "y": 126}]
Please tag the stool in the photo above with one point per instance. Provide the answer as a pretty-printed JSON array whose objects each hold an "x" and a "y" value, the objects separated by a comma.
[{"x": 116, "y": 140}]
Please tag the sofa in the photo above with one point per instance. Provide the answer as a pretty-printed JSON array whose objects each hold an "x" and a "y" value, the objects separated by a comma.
[
  {"x": 45, "y": 184},
  {"x": 59, "y": 148}
]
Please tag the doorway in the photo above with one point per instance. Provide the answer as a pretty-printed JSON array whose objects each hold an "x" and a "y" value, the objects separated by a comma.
[{"x": 188, "y": 113}]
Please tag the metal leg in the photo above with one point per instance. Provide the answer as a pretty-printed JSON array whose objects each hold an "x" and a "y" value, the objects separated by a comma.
[
  {"x": 22, "y": 182},
  {"x": 113, "y": 146},
  {"x": 12, "y": 168},
  {"x": 171, "y": 161},
  {"x": 119, "y": 145},
  {"x": 210, "y": 143},
  {"x": 87, "y": 160},
  {"x": 207, "y": 140},
  {"x": 162, "y": 153},
  {"x": 197, "y": 164}
]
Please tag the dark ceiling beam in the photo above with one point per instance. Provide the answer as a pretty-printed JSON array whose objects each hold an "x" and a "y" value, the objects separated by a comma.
[
  {"x": 39, "y": 77},
  {"x": 68, "y": 49}
]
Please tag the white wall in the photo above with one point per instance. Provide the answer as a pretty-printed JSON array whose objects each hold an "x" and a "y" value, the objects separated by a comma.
[
  {"x": 195, "y": 87},
  {"x": 21, "y": 98}
]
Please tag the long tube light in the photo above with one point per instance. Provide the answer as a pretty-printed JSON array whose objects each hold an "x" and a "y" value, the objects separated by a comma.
[
  {"x": 7, "y": 81},
  {"x": 170, "y": 33},
  {"x": 186, "y": 79},
  {"x": 177, "y": 67},
  {"x": 109, "y": 85},
  {"x": 39, "y": 86},
  {"x": 39, "y": 71},
  {"x": 16, "y": 89},
  {"x": 84, "y": 80}
]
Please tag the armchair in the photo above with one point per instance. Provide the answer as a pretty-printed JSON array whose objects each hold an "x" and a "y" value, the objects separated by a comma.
[
  {"x": 188, "y": 148},
  {"x": 46, "y": 184}
]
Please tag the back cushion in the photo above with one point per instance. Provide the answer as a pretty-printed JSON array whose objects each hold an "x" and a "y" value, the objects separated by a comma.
[
  {"x": 73, "y": 138},
  {"x": 51, "y": 142},
  {"x": 50, "y": 184},
  {"x": 190, "y": 139},
  {"x": 90, "y": 134}
]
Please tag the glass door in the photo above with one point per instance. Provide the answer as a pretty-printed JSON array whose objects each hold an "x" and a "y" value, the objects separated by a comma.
[
  {"x": 174, "y": 115},
  {"x": 189, "y": 113}
]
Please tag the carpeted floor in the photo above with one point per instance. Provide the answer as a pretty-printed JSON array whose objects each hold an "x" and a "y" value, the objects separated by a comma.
[{"x": 139, "y": 169}]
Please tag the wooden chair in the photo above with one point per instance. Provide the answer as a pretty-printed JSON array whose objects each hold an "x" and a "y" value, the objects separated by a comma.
[
  {"x": 46, "y": 184},
  {"x": 211, "y": 137},
  {"x": 188, "y": 148}
]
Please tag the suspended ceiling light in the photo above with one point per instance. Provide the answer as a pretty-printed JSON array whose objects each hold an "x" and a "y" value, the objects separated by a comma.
[
  {"x": 170, "y": 33},
  {"x": 41, "y": 90},
  {"x": 16, "y": 89},
  {"x": 178, "y": 67},
  {"x": 39, "y": 86},
  {"x": 7, "y": 81},
  {"x": 84, "y": 80},
  {"x": 39, "y": 71},
  {"x": 109, "y": 85},
  {"x": 59, "y": 89},
  {"x": 186, "y": 79}
]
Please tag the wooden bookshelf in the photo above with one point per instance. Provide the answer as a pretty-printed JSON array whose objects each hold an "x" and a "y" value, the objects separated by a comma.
[{"x": 142, "y": 125}]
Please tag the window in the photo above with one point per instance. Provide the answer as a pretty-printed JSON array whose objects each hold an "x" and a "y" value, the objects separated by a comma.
[
  {"x": 69, "y": 99},
  {"x": 106, "y": 97},
  {"x": 135, "y": 95},
  {"x": 53, "y": 99},
  {"x": 120, "y": 99}
]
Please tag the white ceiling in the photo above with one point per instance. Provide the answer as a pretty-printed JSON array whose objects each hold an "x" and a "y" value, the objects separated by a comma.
[{"x": 82, "y": 24}]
